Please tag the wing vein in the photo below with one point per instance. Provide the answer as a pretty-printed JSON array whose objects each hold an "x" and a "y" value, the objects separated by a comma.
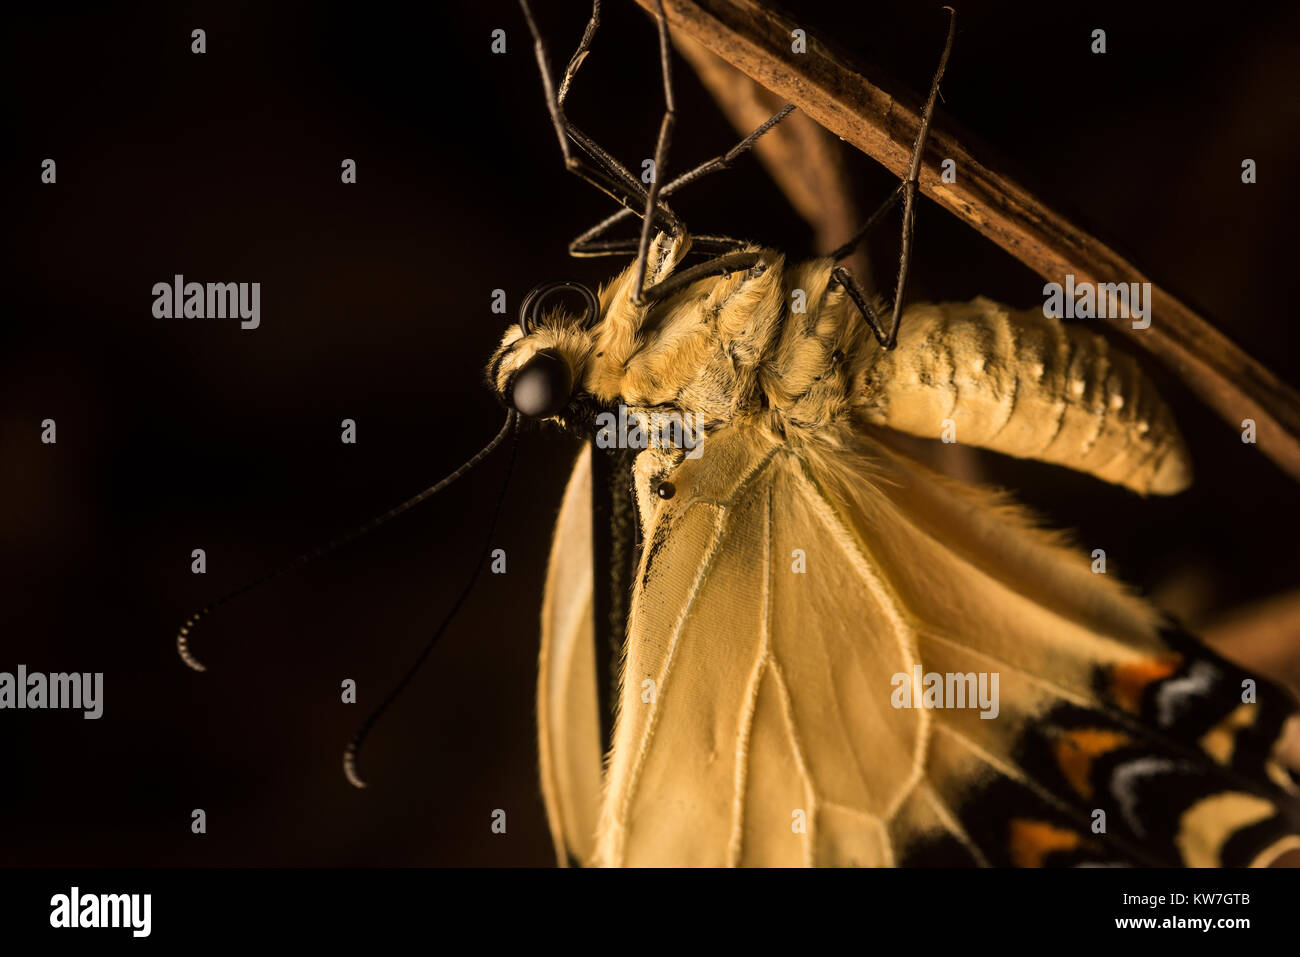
[
  {"x": 750, "y": 703},
  {"x": 954, "y": 826},
  {"x": 720, "y": 521},
  {"x": 810, "y": 791},
  {"x": 904, "y": 632}
]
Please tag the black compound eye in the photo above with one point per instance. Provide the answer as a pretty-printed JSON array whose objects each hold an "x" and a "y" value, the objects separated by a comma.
[{"x": 543, "y": 386}]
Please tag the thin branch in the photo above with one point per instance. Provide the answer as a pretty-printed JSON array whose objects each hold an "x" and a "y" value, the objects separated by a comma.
[{"x": 757, "y": 41}]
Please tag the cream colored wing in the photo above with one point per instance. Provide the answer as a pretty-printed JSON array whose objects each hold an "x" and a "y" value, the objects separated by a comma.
[
  {"x": 568, "y": 722},
  {"x": 781, "y": 594},
  {"x": 719, "y": 757}
]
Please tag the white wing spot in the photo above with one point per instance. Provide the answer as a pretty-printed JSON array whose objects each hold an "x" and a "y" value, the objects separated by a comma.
[
  {"x": 1126, "y": 776},
  {"x": 1174, "y": 694}
]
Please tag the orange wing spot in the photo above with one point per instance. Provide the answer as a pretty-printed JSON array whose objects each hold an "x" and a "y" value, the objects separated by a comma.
[
  {"x": 1127, "y": 682},
  {"x": 1031, "y": 841},
  {"x": 1076, "y": 750}
]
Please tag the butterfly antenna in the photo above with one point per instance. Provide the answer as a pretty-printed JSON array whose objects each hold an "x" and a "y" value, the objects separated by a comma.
[
  {"x": 352, "y": 752},
  {"x": 183, "y": 636}
]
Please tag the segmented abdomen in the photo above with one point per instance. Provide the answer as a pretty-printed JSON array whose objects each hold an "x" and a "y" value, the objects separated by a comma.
[{"x": 1022, "y": 384}]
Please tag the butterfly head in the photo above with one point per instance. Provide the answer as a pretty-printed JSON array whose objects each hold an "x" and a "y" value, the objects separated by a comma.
[
  {"x": 538, "y": 368},
  {"x": 577, "y": 356}
]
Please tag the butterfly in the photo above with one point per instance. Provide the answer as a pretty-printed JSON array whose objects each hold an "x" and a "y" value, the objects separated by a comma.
[
  {"x": 805, "y": 616},
  {"x": 771, "y": 637}
]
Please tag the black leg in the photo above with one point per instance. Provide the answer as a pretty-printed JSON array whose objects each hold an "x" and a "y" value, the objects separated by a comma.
[
  {"x": 661, "y": 153},
  {"x": 907, "y": 192},
  {"x": 721, "y": 266},
  {"x": 608, "y": 175},
  {"x": 847, "y": 249},
  {"x": 845, "y": 278},
  {"x": 714, "y": 245},
  {"x": 726, "y": 159},
  {"x": 841, "y": 274},
  {"x": 613, "y": 179},
  {"x": 587, "y": 244}
]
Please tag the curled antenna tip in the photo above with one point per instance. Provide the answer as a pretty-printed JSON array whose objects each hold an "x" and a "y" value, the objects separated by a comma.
[
  {"x": 183, "y": 647},
  {"x": 350, "y": 765}
]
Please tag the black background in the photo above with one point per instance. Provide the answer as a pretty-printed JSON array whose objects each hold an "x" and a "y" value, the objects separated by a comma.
[{"x": 176, "y": 434}]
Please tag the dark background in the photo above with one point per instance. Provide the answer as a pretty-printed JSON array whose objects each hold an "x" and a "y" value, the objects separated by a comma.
[{"x": 176, "y": 434}]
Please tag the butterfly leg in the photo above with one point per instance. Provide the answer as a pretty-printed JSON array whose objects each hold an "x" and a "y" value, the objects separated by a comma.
[
  {"x": 607, "y": 175},
  {"x": 721, "y": 266},
  {"x": 630, "y": 245},
  {"x": 845, "y": 278},
  {"x": 612, "y": 175},
  {"x": 661, "y": 155},
  {"x": 589, "y": 243},
  {"x": 907, "y": 193},
  {"x": 841, "y": 275}
]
